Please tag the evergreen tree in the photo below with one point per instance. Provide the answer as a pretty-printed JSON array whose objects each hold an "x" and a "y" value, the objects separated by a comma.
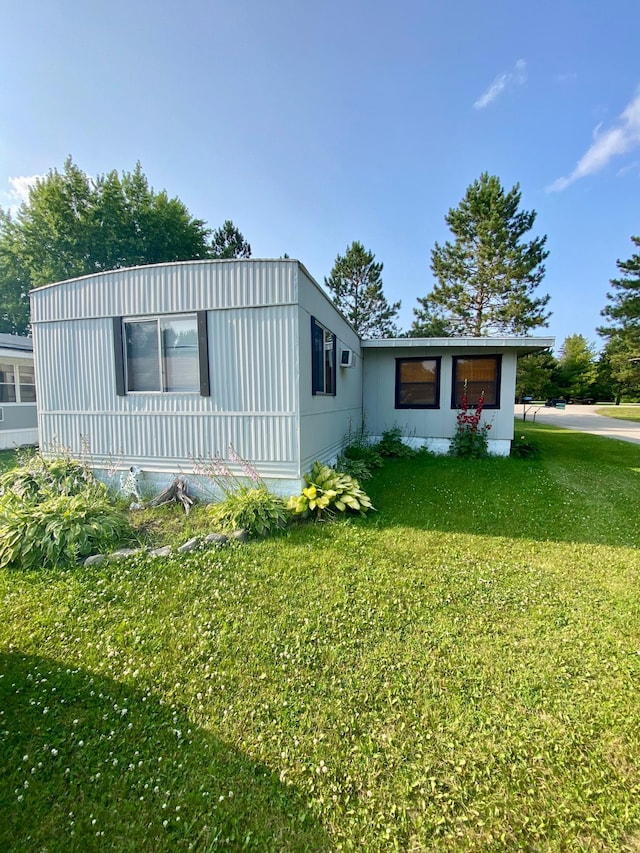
[
  {"x": 428, "y": 323},
  {"x": 577, "y": 367},
  {"x": 622, "y": 350},
  {"x": 228, "y": 242},
  {"x": 487, "y": 276},
  {"x": 356, "y": 286},
  {"x": 536, "y": 376}
]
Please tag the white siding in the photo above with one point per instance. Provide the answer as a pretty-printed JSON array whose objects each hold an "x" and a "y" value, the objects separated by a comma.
[
  {"x": 253, "y": 360},
  {"x": 379, "y": 394},
  {"x": 326, "y": 420},
  {"x": 167, "y": 289}
]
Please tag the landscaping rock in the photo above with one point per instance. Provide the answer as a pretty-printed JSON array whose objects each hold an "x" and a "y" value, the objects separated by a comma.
[
  {"x": 165, "y": 551},
  {"x": 240, "y": 536},
  {"x": 95, "y": 560},
  {"x": 190, "y": 545},
  {"x": 216, "y": 539},
  {"x": 124, "y": 553}
]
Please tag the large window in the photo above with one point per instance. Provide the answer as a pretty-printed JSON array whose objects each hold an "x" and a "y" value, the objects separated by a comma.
[
  {"x": 417, "y": 383},
  {"x": 476, "y": 375},
  {"x": 17, "y": 383},
  {"x": 323, "y": 359},
  {"x": 161, "y": 354}
]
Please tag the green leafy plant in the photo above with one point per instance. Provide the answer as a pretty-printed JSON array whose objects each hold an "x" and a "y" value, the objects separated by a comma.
[
  {"x": 256, "y": 510},
  {"x": 524, "y": 448},
  {"x": 391, "y": 446},
  {"x": 328, "y": 491},
  {"x": 38, "y": 477},
  {"x": 59, "y": 530}
]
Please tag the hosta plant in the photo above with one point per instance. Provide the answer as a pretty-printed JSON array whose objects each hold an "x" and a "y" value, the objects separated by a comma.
[
  {"x": 58, "y": 531},
  {"x": 257, "y": 510},
  {"x": 329, "y": 491}
]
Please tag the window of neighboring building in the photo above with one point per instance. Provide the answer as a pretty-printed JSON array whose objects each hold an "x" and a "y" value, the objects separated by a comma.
[
  {"x": 477, "y": 374},
  {"x": 323, "y": 359},
  {"x": 161, "y": 354},
  {"x": 7, "y": 383},
  {"x": 27, "y": 383},
  {"x": 417, "y": 383}
]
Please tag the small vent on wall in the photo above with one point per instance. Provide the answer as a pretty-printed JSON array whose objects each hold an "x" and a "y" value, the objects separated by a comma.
[{"x": 347, "y": 358}]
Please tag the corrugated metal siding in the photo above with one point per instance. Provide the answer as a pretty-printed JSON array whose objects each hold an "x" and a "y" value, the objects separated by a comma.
[
  {"x": 177, "y": 440},
  {"x": 169, "y": 288},
  {"x": 254, "y": 380}
]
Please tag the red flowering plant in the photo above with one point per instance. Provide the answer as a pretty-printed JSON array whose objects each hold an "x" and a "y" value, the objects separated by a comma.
[{"x": 471, "y": 439}]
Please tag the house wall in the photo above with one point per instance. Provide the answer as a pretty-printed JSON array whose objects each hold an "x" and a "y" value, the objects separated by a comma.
[
  {"x": 433, "y": 427},
  {"x": 253, "y": 354},
  {"x": 325, "y": 420},
  {"x": 18, "y": 421}
]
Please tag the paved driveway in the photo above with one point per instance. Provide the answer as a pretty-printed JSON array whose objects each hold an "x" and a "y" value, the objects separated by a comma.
[{"x": 584, "y": 419}]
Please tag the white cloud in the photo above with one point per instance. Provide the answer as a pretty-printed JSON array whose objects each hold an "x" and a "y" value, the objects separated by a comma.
[
  {"x": 19, "y": 191},
  {"x": 622, "y": 137},
  {"x": 511, "y": 78}
]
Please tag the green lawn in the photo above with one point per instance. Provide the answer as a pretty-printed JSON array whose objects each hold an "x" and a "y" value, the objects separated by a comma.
[
  {"x": 624, "y": 413},
  {"x": 460, "y": 671}
]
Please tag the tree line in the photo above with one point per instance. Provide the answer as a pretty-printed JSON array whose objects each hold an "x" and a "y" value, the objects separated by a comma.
[
  {"x": 74, "y": 225},
  {"x": 486, "y": 276}
]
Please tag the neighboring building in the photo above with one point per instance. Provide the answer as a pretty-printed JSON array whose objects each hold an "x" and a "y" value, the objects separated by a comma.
[
  {"x": 159, "y": 366},
  {"x": 18, "y": 420}
]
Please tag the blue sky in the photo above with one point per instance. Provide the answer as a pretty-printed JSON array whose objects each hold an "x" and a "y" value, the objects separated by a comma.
[{"x": 313, "y": 125}]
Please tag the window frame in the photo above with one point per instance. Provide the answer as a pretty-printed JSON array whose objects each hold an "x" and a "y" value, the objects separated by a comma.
[
  {"x": 121, "y": 354},
  {"x": 437, "y": 359},
  {"x": 323, "y": 381},
  {"x": 10, "y": 368},
  {"x": 455, "y": 404},
  {"x": 16, "y": 368}
]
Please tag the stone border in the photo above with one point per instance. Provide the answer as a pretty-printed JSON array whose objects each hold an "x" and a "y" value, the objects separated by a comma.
[{"x": 218, "y": 540}]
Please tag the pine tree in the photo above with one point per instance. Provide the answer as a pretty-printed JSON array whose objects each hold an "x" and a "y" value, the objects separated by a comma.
[
  {"x": 487, "y": 276},
  {"x": 227, "y": 242},
  {"x": 356, "y": 286},
  {"x": 622, "y": 350}
]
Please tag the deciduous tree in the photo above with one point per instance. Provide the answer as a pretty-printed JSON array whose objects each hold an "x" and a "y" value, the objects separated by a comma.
[
  {"x": 487, "y": 276},
  {"x": 74, "y": 225},
  {"x": 356, "y": 286}
]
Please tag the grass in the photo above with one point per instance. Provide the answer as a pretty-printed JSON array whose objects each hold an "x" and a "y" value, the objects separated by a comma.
[
  {"x": 461, "y": 671},
  {"x": 623, "y": 413}
]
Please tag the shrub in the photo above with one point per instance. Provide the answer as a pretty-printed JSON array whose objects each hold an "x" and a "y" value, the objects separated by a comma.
[
  {"x": 392, "y": 446},
  {"x": 329, "y": 491},
  {"x": 356, "y": 468},
  {"x": 36, "y": 478},
  {"x": 524, "y": 448},
  {"x": 58, "y": 530},
  {"x": 255, "y": 510},
  {"x": 471, "y": 439}
]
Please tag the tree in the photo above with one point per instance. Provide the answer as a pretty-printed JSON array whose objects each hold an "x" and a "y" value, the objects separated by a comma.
[
  {"x": 486, "y": 278},
  {"x": 356, "y": 284},
  {"x": 622, "y": 350},
  {"x": 428, "y": 323},
  {"x": 535, "y": 376},
  {"x": 577, "y": 368},
  {"x": 228, "y": 242},
  {"x": 74, "y": 225}
]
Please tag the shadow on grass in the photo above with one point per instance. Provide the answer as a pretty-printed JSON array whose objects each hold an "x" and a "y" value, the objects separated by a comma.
[
  {"x": 93, "y": 764},
  {"x": 583, "y": 488}
]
